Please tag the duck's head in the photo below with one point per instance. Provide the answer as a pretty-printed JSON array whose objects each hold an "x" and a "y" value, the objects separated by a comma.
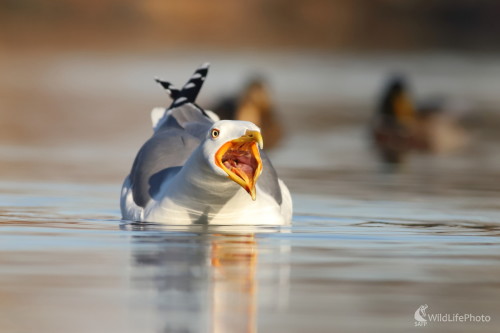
[
  {"x": 232, "y": 149},
  {"x": 396, "y": 104},
  {"x": 255, "y": 102}
]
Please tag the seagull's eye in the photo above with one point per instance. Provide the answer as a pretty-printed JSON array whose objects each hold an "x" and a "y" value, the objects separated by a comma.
[{"x": 215, "y": 133}]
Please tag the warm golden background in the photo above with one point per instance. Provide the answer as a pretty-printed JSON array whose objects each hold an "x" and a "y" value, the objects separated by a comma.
[
  {"x": 76, "y": 76},
  {"x": 323, "y": 24}
]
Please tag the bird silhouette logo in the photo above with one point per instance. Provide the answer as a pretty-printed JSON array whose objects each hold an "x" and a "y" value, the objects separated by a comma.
[{"x": 420, "y": 314}]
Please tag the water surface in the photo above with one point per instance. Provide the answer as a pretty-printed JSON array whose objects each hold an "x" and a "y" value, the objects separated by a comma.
[
  {"x": 367, "y": 246},
  {"x": 69, "y": 264}
]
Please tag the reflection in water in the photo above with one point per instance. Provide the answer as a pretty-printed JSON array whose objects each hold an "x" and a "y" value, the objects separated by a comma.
[
  {"x": 201, "y": 279},
  {"x": 233, "y": 262}
]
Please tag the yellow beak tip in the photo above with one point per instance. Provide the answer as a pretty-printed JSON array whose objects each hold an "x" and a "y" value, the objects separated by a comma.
[{"x": 252, "y": 193}]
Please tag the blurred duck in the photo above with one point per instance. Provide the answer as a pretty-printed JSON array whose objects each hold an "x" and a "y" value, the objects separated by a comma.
[
  {"x": 252, "y": 103},
  {"x": 400, "y": 127}
]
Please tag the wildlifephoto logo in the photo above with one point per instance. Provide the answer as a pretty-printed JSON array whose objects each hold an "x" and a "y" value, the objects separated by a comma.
[
  {"x": 420, "y": 315},
  {"x": 422, "y": 318}
]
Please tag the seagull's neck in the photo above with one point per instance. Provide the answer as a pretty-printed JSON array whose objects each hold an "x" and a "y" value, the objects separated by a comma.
[{"x": 196, "y": 182}]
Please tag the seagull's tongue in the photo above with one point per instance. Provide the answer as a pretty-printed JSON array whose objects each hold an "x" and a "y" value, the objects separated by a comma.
[
  {"x": 240, "y": 167},
  {"x": 241, "y": 162}
]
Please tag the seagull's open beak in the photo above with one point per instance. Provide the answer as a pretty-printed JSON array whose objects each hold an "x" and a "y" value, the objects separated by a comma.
[{"x": 240, "y": 159}]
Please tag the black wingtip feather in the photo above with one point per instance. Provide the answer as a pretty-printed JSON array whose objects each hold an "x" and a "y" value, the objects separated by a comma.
[
  {"x": 190, "y": 90},
  {"x": 169, "y": 87}
]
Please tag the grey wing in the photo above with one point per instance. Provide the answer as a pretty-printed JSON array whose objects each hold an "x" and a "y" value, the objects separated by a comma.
[
  {"x": 164, "y": 154},
  {"x": 268, "y": 180}
]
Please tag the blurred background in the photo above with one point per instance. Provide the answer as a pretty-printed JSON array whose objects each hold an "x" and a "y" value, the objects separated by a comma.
[
  {"x": 76, "y": 77},
  {"x": 381, "y": 116}
]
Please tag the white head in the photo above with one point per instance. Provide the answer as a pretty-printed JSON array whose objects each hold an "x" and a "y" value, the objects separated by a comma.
[{"x": 232, "y": 150}]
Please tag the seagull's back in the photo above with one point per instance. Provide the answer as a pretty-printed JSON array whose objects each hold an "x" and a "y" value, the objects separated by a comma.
[{"x": 166, "y": 152}]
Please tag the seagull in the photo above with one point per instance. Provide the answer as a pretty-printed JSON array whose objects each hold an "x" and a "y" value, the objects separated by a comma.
[{"x": 197, "y": 169}]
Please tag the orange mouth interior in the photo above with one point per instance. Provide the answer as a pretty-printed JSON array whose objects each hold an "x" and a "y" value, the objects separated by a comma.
[{"x": 240, "y": 159}]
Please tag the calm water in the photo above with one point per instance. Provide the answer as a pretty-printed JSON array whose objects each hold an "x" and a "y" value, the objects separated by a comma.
[
  {"x": 68, "y": 264},
  {"x": 366, "y": 248}
]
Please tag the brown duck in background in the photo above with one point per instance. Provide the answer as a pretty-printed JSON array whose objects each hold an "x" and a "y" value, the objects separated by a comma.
[
  {"x": 253, "y": 103},
  {"x": 400, "y": 127}
]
